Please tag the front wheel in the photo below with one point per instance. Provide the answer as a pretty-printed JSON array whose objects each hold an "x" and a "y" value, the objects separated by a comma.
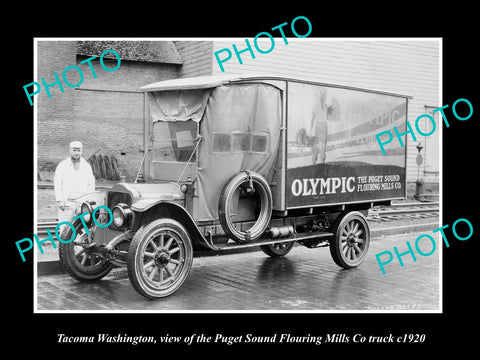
[
  {"x": 351, "y": 240},
  {"x": 159, "y": 259},
  {"x": 78, "y": 258}
]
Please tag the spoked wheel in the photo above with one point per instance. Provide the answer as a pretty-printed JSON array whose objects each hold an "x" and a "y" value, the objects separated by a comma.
[
  {"x": 160, "y": 257},
  {"x": 277, "y": 249},
  {"x": 78, "y": 258},
  {"x": 351, "y": 240}
]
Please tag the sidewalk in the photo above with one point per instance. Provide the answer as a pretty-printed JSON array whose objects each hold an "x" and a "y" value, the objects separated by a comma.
[{"x": 48, "y": 263}]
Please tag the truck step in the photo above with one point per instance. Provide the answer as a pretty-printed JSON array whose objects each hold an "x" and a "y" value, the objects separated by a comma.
[{"x": 266, "y": 241}]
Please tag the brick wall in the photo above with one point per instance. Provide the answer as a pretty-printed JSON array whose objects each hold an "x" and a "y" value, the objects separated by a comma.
[
  {"x": 54, "y": 115},
  {"x": 104, "y": 113},
  {"x": 111, "y": 123},
  {"x": 108, "y": 111}
]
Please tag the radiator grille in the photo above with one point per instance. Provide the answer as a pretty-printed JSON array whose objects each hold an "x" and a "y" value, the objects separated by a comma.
[{"x": 115, "y": 198}]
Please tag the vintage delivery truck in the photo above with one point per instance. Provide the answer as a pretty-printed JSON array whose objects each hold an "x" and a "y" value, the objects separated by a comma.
[{"x": 240, "y": 161}]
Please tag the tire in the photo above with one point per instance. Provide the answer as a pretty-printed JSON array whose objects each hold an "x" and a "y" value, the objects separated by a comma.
[
  {"x": 108, "y": 168},
  {"x": 101, "y": 167},
  {"x": 351, "y": 240},
  {"x": 94, "y": 165},
  {"x": 113, "y": 161},
  {"x": 159, "y": 258},
  {"x": 81, "y": 263},
  {"x": 277, "y": 249},
  {"x": 225, "y": 206}
]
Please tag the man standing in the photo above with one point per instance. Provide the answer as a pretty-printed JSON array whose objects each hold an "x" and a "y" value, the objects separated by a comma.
[
  {"x": 73, "y": 178},
  {"x": 319, "y": 129}
]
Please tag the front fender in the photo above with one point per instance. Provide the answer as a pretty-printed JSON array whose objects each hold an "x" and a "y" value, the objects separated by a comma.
[
  {"x": 143, "y": 205},
  {"x": 100, "y": 198},
  {"x": 168, "y": 209}
]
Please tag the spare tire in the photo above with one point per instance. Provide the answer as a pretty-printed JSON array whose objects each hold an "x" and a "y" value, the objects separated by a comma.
[
  {"x": 101, "y": 164},
  {"x": 252, "y": 184},
  {"x": 93, "y": 164},
  {"x": 113, "y": 161},
  {"x": 108, "y": 168}
]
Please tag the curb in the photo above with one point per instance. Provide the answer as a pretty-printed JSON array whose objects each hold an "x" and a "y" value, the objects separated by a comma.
[
  {"x": 377, "y": 234},
  {"x": 50, "y": 264}
]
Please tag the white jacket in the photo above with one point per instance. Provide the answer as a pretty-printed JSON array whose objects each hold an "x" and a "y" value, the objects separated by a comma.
[{"x": 70, "y": 183}]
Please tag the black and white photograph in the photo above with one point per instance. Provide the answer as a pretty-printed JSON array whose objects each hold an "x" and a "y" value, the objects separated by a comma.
[
  {"x": 285, "y": 186},
  {"x": 270, "y": 187}
]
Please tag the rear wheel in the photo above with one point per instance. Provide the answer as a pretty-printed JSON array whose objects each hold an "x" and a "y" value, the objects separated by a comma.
[
  {"x": 351, "y": 240},
  {"x": 160, "y": 257},
  {"x": 277, "y": 249}
]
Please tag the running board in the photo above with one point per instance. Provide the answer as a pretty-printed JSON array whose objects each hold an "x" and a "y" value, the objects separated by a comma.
[{"x": 267, "y": 241}]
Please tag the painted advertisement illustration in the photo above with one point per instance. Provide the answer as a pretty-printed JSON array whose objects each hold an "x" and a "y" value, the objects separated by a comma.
[{"x": 333, "y": 156}]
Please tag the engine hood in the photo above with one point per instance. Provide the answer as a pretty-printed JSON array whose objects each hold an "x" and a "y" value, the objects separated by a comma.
[{"x": 146, "y": 195}]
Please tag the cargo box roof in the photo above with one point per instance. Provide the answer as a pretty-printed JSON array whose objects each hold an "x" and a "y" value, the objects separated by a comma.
[
  {"x": 211, "y": 81},
  {"x": 199, "y": 82}
]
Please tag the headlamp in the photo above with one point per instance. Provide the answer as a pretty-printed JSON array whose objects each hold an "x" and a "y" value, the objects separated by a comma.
[
  {"x": 87, "y": 207},
  {"x": 122, "y": 215}
]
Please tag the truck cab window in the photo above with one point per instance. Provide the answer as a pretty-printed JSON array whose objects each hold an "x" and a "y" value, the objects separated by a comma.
[
  {"x": 174, "y": 140},
  {"x": 222, "y": 143},
  {"x": 239, "y": 142},
  {"x": 259, "y": 142}
]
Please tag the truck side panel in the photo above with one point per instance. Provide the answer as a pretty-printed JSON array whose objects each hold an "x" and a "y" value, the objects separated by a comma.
[{"x": 332, "y": 153}]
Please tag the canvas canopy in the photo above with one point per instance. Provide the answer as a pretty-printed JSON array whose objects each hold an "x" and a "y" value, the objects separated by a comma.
[
  {"x": 240, "y": 128},
  {"x": 178, "y": 105}
]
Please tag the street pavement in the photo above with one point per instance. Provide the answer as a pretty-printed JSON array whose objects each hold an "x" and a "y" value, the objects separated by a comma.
[{"x": 304, "y": 280}]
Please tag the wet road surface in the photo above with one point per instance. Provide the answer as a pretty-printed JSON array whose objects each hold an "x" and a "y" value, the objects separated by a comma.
[{"x": 305, "y": 280}]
